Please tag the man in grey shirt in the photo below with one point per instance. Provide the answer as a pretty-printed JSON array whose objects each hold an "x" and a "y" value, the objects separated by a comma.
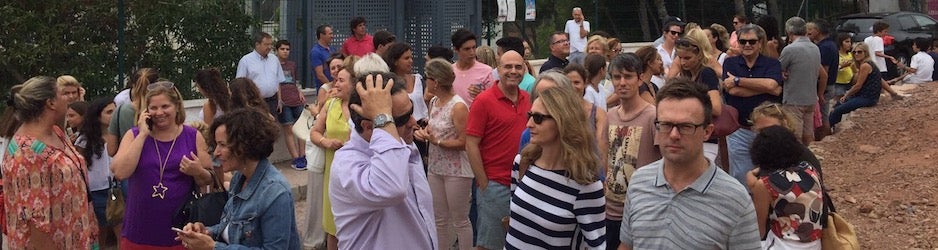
[
  {"x": 806, "y": 78},
  {"x": 684, "y": 201}
]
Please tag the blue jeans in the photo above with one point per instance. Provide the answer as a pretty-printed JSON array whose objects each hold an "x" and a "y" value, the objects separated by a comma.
[
  {"x": 738, "y": 144},
  {"x": 852, "y": 103}
]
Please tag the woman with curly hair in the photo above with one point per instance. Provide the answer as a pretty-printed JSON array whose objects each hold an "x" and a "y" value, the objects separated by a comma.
[
  {"x": 210, "y": 84},
  {"x": 786, "y": 192},
  {"x": 260, "y": 211},
  {"x": 559, "y": 200}
]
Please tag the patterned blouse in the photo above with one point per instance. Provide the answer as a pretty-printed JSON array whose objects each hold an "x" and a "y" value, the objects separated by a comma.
[
  {"x": 46, "y": 187},
  {"x": 797, "y": 202},
  {"x": 442, "y": 161}
]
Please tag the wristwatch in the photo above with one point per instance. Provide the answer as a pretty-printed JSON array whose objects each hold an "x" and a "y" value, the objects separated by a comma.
[
  {"x": 736, "y": 81},
  {"x": 383, "y": 120}
]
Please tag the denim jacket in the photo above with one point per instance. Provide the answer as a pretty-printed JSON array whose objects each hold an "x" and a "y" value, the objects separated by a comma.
[{"x": 259, "y": 216}]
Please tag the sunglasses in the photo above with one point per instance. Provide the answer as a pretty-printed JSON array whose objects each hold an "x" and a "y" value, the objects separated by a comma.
[
  {"x": 676, "y": 33},
  {"x": 859, "y": 51},
  {"x": 163, "y": 84},
  {"x": 538, "y": 117},
  {"x": 748, "y": 41}
]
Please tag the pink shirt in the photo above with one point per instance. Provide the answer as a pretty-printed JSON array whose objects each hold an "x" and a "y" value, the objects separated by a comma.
[
  {"x": 357, "y": 47},
  {"x": 478, "y": 73}
]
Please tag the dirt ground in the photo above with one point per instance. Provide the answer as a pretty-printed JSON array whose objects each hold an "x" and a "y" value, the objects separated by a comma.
[{"x": 881, "y": 169}]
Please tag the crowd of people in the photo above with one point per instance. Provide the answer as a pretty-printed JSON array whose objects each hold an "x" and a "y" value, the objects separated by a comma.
[{"x": 598, "y": 149}]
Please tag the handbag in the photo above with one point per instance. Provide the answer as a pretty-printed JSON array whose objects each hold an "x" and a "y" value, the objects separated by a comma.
[
  {"x": 726, "y": 123},
  {"x": 206, "y": 207},
  {"x": 114, "y": 213},
  {"x": 302, "y": 125},
  {"x": 838, "y": 233},
  {"x": 316, "y": 155}
]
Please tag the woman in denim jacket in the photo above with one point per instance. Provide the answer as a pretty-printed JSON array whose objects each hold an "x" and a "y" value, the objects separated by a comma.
[{"x": 259, "y": 213}]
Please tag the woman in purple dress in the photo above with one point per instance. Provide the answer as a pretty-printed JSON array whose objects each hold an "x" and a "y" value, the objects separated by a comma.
[{"x": 160, "y": 158}]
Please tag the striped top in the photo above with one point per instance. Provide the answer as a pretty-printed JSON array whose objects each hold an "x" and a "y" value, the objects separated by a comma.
[
  {"x": 713, "y": 212},
  {"x": 550, "y": 211}
]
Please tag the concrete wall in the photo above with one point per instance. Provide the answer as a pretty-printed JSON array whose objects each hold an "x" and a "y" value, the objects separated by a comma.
[{"x": 280, "y": 148}]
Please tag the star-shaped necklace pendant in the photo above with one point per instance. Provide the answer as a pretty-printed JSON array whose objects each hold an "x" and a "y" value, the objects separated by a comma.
[{"x": 159, "y": 190}]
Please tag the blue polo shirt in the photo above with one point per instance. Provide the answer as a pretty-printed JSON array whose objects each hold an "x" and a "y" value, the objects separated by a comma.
[
  {"x": 830, "y": 58},
  {"x": 319, "y": 55},
  {"x": 765, "y": 67}
]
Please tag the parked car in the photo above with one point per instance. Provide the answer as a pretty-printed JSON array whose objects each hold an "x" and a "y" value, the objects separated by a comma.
[{"x": 905, "y": 27}]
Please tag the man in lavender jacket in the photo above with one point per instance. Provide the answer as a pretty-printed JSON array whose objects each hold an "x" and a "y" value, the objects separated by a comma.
[{"x": 380, "y": 195}]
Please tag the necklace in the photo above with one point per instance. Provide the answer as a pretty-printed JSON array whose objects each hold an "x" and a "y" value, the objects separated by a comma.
[{"x": 159, "y": 190}]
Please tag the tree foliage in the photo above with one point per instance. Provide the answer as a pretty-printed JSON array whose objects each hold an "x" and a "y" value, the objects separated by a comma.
[{"x": 80, "y": 38}]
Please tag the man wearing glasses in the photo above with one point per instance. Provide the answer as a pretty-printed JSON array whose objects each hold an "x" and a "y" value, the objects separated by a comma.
[
  {"x": 381, "y": 181},
  {"x": 684, "y": 201},
  {"x": 749, "y": 80},
  {"x": 559, "y": 50}
]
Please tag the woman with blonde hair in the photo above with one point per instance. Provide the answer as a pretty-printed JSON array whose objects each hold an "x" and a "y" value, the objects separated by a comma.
[
  {"x": 867, "y": 85},
  {"x": 45, "y": 195},
  {"x": 449, "y": 173},
  {"x": 559, "y": 164},
  {"x": 694, "y": 65},
  {"x": 125, "y": 116},
  {"x": 597, "y": 45},
  {"x": 486, "y": 55}
]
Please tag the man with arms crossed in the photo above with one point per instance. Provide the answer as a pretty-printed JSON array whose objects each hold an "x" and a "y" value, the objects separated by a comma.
[
  {"x": 496, "y": 119},
  {"x": 263, "y": 68},
  {"x": 749, "y": 80},
  {"x": 380, "y": 194},
  {"x": 684, "y": 201}
]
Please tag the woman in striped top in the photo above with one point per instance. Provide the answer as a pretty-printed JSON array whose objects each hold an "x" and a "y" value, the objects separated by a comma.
[{"x": 559, "y": 202}]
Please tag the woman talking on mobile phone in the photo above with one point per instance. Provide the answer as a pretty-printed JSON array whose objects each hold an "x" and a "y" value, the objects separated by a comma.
[{"x": 161, "y": 159}]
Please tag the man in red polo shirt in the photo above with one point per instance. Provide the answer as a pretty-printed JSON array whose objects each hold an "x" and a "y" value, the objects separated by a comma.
[
  {"x": 360, "y": 43},
  {"x": 493, "y": 131}
]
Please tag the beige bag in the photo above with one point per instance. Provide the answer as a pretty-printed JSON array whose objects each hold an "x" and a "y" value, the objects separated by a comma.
[{"x": 839, "y": 234}]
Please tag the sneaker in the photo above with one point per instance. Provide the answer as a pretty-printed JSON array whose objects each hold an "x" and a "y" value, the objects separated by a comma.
[{"x": 299, "y": 163}]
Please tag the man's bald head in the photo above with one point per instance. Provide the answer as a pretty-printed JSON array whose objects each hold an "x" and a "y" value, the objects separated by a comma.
[{"x": 511, "y": 68}]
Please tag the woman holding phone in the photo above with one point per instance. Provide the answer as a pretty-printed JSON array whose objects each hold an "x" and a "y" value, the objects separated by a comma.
[{"x": 161, "y": 159}]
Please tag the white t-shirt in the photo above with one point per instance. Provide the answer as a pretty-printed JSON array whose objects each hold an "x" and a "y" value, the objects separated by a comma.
[
  {"x": 593, "y": 96},
  {"x": 923, "y": 65},
  {"x": 3, "y": 148},
  {"x": 577, "y": 43},
  {"x": 122, "y": 98},
  {"x": 667, "y": 57},
  {"x": 99, "y": 174},
  {"x": 876, "y": 44}
]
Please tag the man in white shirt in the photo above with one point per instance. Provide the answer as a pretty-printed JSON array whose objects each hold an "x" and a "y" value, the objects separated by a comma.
[
  {"x": 577, "y": 29},
  {"x": 263, "y": 68},
  {"x": 922, "y": 66}
]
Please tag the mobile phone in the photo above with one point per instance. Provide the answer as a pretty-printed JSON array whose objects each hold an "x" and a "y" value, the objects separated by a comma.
[
  {"x": 149, "y": 123},
  {"x": 177, "y": 230}
]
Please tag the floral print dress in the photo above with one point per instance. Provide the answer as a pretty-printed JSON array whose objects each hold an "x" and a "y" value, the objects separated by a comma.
[{"x": 46, "y": 188}]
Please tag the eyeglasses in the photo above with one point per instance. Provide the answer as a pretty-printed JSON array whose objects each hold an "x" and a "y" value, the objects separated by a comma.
[
  {"x": 157, "y": 85},
  {"x": 676, "y": 33},
  {"x": 682, "y": 128},
  {"x": 538, "y": 117},
  {"x": 561, "y": 41},
  {"x": 748, "y": 41},
  {"x": 859, "y": 51}
]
